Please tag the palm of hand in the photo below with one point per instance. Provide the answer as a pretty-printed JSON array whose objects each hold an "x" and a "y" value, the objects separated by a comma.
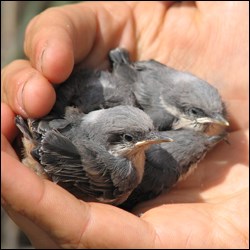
[{"x": 215, "y": 189}]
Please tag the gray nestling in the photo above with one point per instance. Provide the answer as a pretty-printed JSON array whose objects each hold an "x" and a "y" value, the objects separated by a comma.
[
  {"x": 173, "y": 99},
  {"x": 98, "y": 156},
  {"x": 167, "y": 163}
]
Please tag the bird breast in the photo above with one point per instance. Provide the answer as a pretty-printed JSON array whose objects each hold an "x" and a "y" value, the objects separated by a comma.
[{"x": 138, "y": 161}]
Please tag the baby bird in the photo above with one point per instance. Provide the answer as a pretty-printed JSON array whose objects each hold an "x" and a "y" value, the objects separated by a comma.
[{"x": 98, "y": 156}]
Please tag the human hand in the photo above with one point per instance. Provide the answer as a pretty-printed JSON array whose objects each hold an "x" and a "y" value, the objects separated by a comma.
[{"x": 210, "y": 208}]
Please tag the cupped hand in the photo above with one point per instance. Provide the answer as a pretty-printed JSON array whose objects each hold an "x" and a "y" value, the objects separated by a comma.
[{"x": 210, "y": 208}]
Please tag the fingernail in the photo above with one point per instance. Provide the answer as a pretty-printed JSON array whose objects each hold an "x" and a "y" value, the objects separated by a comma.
[{"x": 20, "y": 98}]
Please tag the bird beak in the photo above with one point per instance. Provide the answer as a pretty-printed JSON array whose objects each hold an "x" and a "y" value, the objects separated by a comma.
[
  {"x": 220, "y": 120},
  {"x": 216, "y": 138},
  {"x": 154, "y": 138}
]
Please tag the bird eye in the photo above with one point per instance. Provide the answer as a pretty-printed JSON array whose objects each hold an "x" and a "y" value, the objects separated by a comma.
[
  {"x": 196, "y": 112},
  {"x": 128, "y": 137}
]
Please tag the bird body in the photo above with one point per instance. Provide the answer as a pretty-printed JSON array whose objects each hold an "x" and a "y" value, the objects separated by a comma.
[
  {"x": 90, "y": 90},
  {"x": 99, "y": 155},
  {"x": 173, "y": 99}
]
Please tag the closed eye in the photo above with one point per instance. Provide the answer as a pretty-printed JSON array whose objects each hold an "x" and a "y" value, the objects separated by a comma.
[
  {"x": 196, "y": 112},
  {"x": 114, "y": 139},
  {"x": 118, "y": 138}
]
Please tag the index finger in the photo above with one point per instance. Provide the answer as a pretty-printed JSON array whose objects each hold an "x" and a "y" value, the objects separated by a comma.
[
  {"x": 62, "y": 36},
  {"x": 25, "y": 90}
]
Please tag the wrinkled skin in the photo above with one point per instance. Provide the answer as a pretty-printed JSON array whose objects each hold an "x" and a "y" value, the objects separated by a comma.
[{"x": 210, "y": 208}]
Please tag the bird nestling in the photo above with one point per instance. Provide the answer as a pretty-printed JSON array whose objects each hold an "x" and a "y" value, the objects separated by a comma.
[
  {"x": 173, "y": 99},
  {"x": 98, "y": 156}
]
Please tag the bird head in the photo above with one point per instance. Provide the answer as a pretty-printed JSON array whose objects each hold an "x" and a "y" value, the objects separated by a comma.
[
  {"x": 129, "y": 144},
  {"x": 130, "y": 131},
  {"x": 126, "y": 132},
  {"x": 132, "y": 145},
  {"x": 194, "y": 103}
]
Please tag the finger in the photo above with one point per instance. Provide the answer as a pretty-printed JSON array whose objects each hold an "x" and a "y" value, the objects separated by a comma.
[
  {"x": 8, "y": 127},
  {"x": 62, "y": 36},
  {"x": 39, "y": 239},
  {"x": 71, "y": 223},
  {"x": 25, "y": 90},
  {"x": 6, "y": 147}
]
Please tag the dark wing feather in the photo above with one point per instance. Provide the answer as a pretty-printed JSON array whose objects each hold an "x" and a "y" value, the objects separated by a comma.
[
  {"x": 82, "y": 89},
  {"x": 161, "y": 172},
  {"x": 86, "y": 170}
]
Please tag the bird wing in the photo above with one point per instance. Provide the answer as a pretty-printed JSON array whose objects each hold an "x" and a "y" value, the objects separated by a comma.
[
  {"x": 149, "y": 93},
  {"x": 161, "y": 172},
  {"x": 82, "y": 89},
  {"x": 86, "y": 170}
]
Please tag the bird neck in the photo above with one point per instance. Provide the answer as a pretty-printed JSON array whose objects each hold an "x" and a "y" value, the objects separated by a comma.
[{"x": 138, "y": 162}]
